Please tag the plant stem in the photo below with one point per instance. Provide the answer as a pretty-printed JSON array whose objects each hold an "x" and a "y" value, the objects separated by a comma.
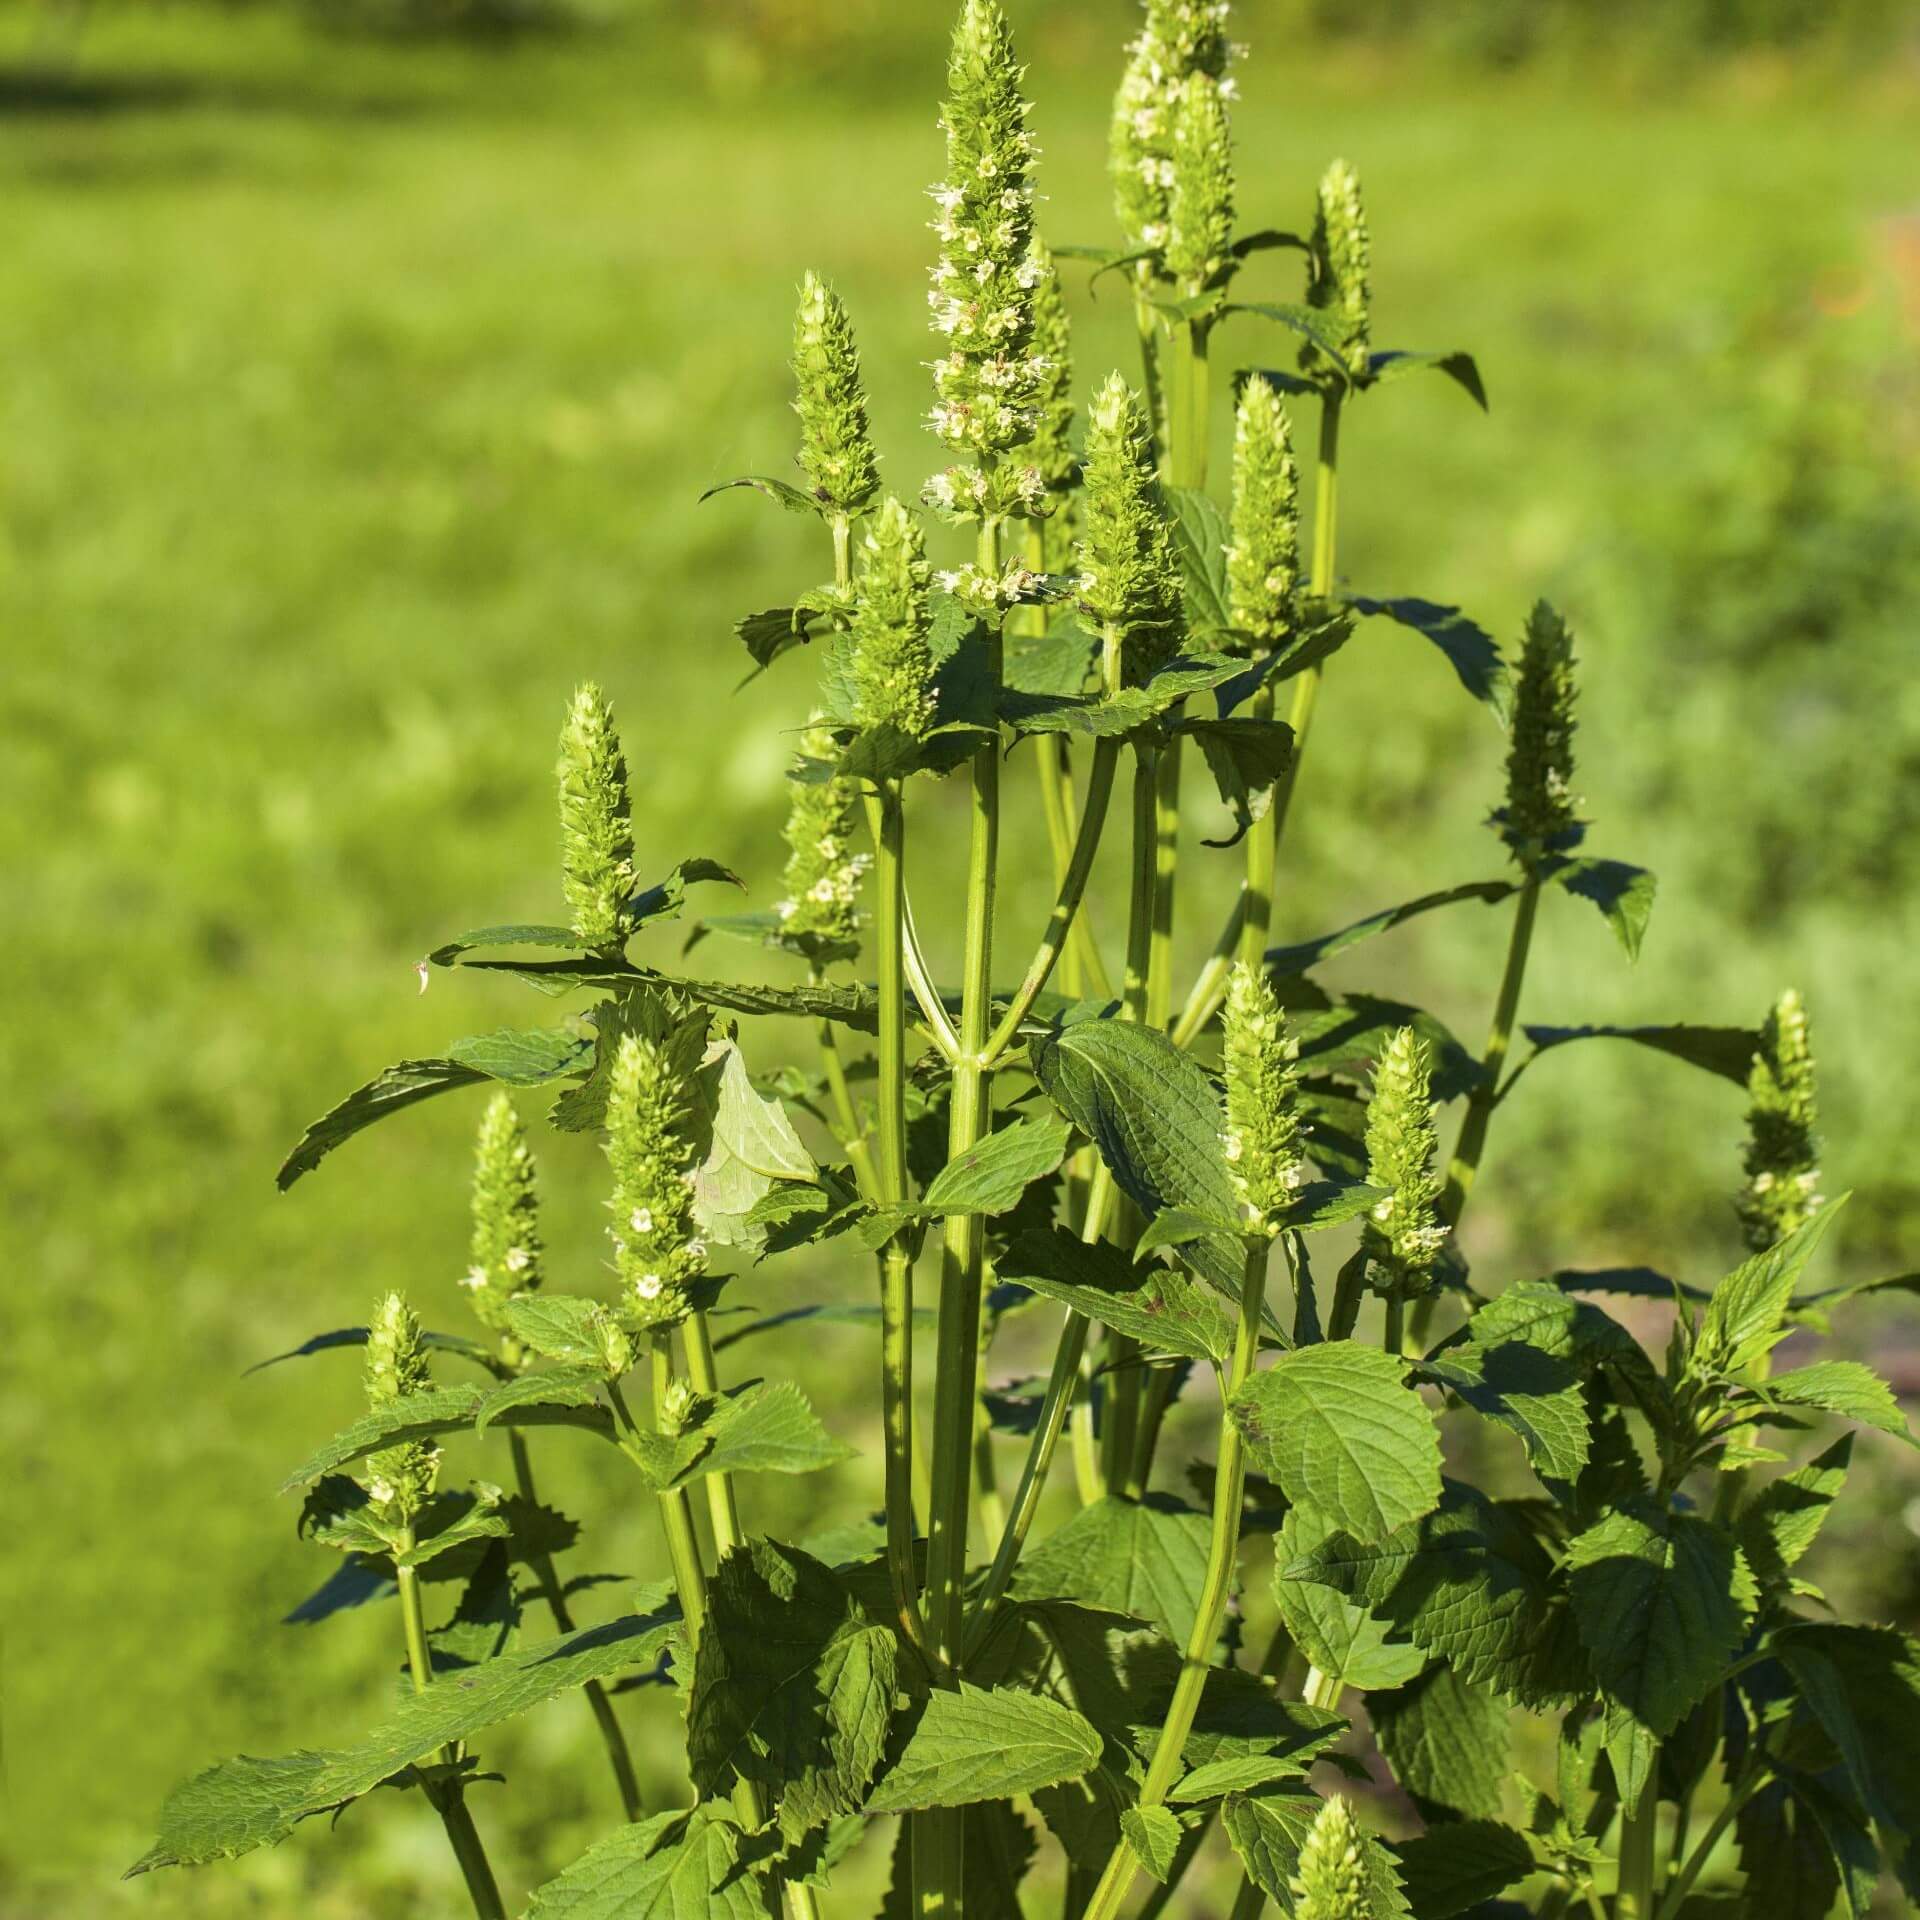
[
  {"x": 676, "y": 1513},
  {"x": 723, "y": 1507},
  {"x": 1682, "y": 1882},
  {"x": 1229, "y": 1490},
  {"x": 846, "y": 1116},
  {"x": 1211, "y": 986},
  {"x": 611, "y": 1734},
  {"x": 1639, "y": 1829},
  {"x": 1393, "y": 1335}
]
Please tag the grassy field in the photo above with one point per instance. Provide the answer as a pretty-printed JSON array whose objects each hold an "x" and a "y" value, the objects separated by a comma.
[{"x": 356, "y": 401}]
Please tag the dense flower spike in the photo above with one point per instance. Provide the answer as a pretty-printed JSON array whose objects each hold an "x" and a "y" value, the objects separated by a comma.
[
  {"x": 1401, "y": 1232},
  {"x": 657, "y": 1252},
  {"x": 987, "y": 382},
  {"x": 1783, "y": 1152},
  {"x": 398, "y": 1480},
  {"x": 1261, "y": 1066},
  {"x": 1340, "y": 255},
  {"x": 1052, "y": 451},
  {"x": 506, "y": 1215},
  {"x": 1540, "y": 798},
  {"x": 1179, "y": 40},
  {"x": 1263, "y": 559},
  {"x": 892, "y": 664},
  {"x": 1129, "y": 579},
  {"x": 1200, "y": 203},
  {"x": 836, "y": 454},
  {"x": 823, "y": 872},
  {"x": 596, "y": 821},
  {"x": 1333, "y": 1881}
]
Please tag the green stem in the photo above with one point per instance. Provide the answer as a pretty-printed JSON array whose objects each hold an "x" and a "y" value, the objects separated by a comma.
[
  {"x": 723, "y": 1506},
  {"x": 1210, "y": 989},
  {"x": 1148, "y": 322},
  {"x": 1682, "y": 1882},
  {"x": 1263, "y": 846},
  {"x": 1393, "y": 1335},
  {"x": 1250, "y": 1902},
  {"x": 676, "y": 1512},
  {"x": 845, "y": 1116},
  {"x": 1639, "y": 1830},
  {"x": 1229, "y": 1490}
]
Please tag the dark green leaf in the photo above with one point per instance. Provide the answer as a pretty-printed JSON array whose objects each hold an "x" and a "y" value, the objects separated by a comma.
[
  {"x": 1727, "y": 1051},
  {"x": 1144, "y": 1558},
  {"x": 1309, "y": 322},
  {"x": 1450, "y": 1869},
  {"x": 549, "y": 1387},
  {"x": 784, "y": 491},
  {"x": 1848, "y": 1388},
  {"x": 991, "y": 1177},
  {"x": 1246, "y": 758},
  {"x": 1200, "y": 539},
  {"x": 516, "y": 935},
  {"x": 1459, "y": 366},
  {"x": 1746, "y": 1316},
  {"x": 357, "y": 1337},
  {"x": 1158, "y": 1306},
  {"x": 1448, "y": 1744},
  {"x": 978, "y": 1743},
  {"x": 1624, "y": 894},
  {"x": 1468, "y": 646},
  {"x": 673, "y": 1866},
  {"x": 1781, "y": 1521},
  {"x": 1309, "y": 953}
]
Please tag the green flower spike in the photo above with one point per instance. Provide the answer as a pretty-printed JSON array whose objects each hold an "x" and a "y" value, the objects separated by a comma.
[
  {"x": 1180, "y": 38},
  {"x": 1263, "y": 557},
  {"x": 836, "y": 454},
  {"x": 506, "y": 1216},
  {"x": 1200, "y": 204},
  {"x": 1401, "y": 1233},
  {"x": 823, "y": 873},
  {"x": 657, "y": 1253},
  {"x": 1340, "y": 255},
  {"x": 892, "y": 664},
  {"x": 1540, "y": 798},
  {"x": 596, "y": 822},
  {"x": 1783, "y": 1152},
  {"x": 988, "y": 381},
  {"x": 1333, "y": 1880},
  {"x": 398, "y": 1480},
  {"x": 1052, "y": 450},
  {"x": 1261, "y": 1065},
  {"x": 1129, "y": 579}
]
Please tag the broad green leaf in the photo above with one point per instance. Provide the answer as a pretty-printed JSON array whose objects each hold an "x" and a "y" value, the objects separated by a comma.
[
  {"x": 1158, "y": 1306},
  {"x": 516, "y": 934},
  {"x": 1330, "y": 1203},
  {"x": 545, "y": 1387},
  {"x": 1244, "y": 1773},
  {"x": 793, "y": 1687},
  {"x": 1267, "y": 1831},
  {"x": 1783, "y": 1519},
  {"x": 1746, "y": 1315},
  {"x": 1338, "y": 1427},
  {"x": 1309, "y": 953},
  {"x": 1200, "y": 539},
  {"x": 754, "y": 1128},
  {"x": 771, "y": 631},
  {"x": 770, "y": 1428},
  {"x": 1054, "y": 663},
  {"x": 1246, "y": 756},
  {"x": 1156, "y": 1120},
  {"x": 1538, "y": 1313},
  {"x": 1145, "y": 1558},
  {"x": 1155, "y": 1835},
  {"x": 1309, "y": 322},
  {"x": 1338, "y": 1635},
  {"x": 1457, "y": 365},
  {"x": 1534, "y": 1393},
  {"x": 992, "y": 1177},
  {"x": 560, "y": 1326},
  {"x": 673, "y": 1866},
  {"x": 664, "y": 899},
  {"x": 1847, "y": 1388},
  {"x": 1470, "y": 650},
  {"x": 1344, "y": 1036},
  {"x": 1726, "y": 1051},
  {"x": 1788, "y": 1858},
  {"x": 480, "y": 1521},
  {"x": 1624, "y": 894},
  {"x": 1451, "y": 1868},
  {"x": 1447, "y": 1742},
  {"x": 978, "y": 1743},
  {"x": 1662, "y": 1601},
  {"x": 246, "y": 1803}
]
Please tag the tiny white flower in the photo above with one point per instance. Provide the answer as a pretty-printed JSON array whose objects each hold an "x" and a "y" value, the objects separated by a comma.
[
  {"x": 641, "y": 1220},
  {"x": 518, "y": 1260},
  {"x": 648, "y": 1286}
]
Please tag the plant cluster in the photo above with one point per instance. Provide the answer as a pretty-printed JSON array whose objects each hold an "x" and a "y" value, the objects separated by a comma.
[{"x": 1471, "y": 1500}]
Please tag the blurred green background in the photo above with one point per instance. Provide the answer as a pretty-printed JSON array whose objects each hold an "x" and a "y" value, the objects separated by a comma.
[{"x": 360, "y": 367}]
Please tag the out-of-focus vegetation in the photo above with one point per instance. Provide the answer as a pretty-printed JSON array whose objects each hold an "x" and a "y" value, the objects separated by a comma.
[{"x": 355, "y": 396}]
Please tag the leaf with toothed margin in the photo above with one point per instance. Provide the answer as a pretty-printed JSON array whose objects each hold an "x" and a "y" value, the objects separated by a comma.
[
  {"x": 1469, "y": 648},
  {"x": 690, "y": 1865},
  {"x": 1146, "y": 1558},
  {"x": 1158, "y": 1306},
  {"x": 794, "y": 499},
  {"x": 1623, "y": 893},
  {"x": 1449, "y": 1744},
  {"x": 1309, "y": 953},
  {"x": 1454, "y": 1867},
  {"x": 979, "y": 1743},
  {"x": 1458, "y": 365}
]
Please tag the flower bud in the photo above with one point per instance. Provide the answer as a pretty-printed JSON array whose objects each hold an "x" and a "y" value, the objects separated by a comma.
[
  {"x": 892, "y": 664},
  {"x": 1540, "y": 798},
  {"x": 1333, "y": 1880},
  {"x": 1128, "y": 578},
  {"x": 823, "y": 871},
  {"x": 1782, "y": 1159},
  {"x": 596, "y": 822},
  {"x": 1200, "y": 203},
  {"x": 676, "y": 1406},
  {"x": 656, "y": 1252},
  {"x": 1260, "y": 1063},
  {"x": 399, "y": 1480},
  {"x": 1339, "y": 255},
  {"x": 836, "y": 453},
  {"x": 1263, "y": 559},
  {"x": 506, "y": 1215},
  {"x": 1402, "y": 1233},
  {"x": 1178, "y": 40}
]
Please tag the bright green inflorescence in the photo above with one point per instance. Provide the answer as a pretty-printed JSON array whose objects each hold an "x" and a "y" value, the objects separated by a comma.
[
  {"x": 892, "y": 663},
  {"x": 398, "y": 1480},
  {"x": 1200, "y": 202},
  {"x": 1340, "y": 256},
  {"x": 1402, "y": 1233},
  {"x": 1540, "y": 797},
  {"x": 836, "y": 453},
  {"x": 1263, "y": 554},
  {"x": 1261, "y": 1064},
  {"x": 657, "y": 1251},
  {"x": 1129, "y": 579},
  {"x": 1180, "y": 40},
  {"x": 506, "y": 1215},
  {"x": 1782, "y": 1160},
  {"x": 823, "y": 871},
  {"x": 596, "y": 822},
  {"x": 1333, "y": 1880},
  {"x": 987, "y": 382},
  {"x": 1052, "y": 451}
]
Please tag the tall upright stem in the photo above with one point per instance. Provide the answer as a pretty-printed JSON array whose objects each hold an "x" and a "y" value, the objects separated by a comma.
[
  {"x": 1639, "y": 1829},
  {"x": 723, "y": 1507},
  {"x": 676, "y": 1511}
]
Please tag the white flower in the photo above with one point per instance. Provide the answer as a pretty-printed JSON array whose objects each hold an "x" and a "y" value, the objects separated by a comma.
[
  {"x": 518, "y": 1260},
  {"x": 474, "y": 1279},
  {"x": 648, "y": 1286},
  {"x": 642, "y": 1220}
]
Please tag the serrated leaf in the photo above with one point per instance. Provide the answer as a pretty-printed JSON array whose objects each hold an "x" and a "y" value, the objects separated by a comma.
[
  {"x": 1451, "y": 1868},
  {"x": 753, "y": 1127},
  {"x": 1243, "y": 1773},
  {"x": 1054, "y": 663},
  {"x": 992, "y": 1176},
  {"x": 1746, "y": 1316},
  {"x": 1200, "y": 539},
  {"x": 1155, "y": 1836},
  {"x": 559, "y": 1326},
  {"x": 1309, "y": 322},
  {"x": 770, "y": 1428},
  {"x": 1786, "y": 1852},
  {"x": 1338, "y": 1635},
  {"x": 1338, "y": 1427},
  {"x": 1246, "y": 756},
  {"x": 547, "y": 1387},
  {"x": 1662, "y": 1601},
  {"x": 1145, "y": 1558},
  {"x": 1457, "y": 365},
  {"x": 478, "y": 1520},
  {"x": 1267, "y": 1831},
  {"x": 1623, "y": 893},
  {"x": 1533, "y": 1393},
  {"x": 515, "y": 934},
  {"x": 340, "y": 1337},
  {"x": 978, "y": 1743},
  {"x": 1847, "y": 1388},
  {"x": 1447, "y": 1742},
  {"x": 1783, "y": 1519},
  {"x": 1158, "y": 1306},
  {"x": 1469, "y": 648},
  {"x": 674, "y": 1866},
  {"x": 1305, "y": 954}
]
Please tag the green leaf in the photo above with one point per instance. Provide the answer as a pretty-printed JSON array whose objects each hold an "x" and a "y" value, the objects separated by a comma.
[
  {"x": 1309, "y": 322},
  {"x": 769, "y": 1429},
  {"x": 1783, "y": 1519},
  {"x": 1054, "y": 663},
  {"x": 1155, "y": 1119},
  {"x": 480, "y": 1521},
  {"x": 1469, "y": 648},
  {"x": 1533, "y": 1393},
  {"x": 357, "y": 1337},
  {"x": 793, "y": 1687},
  {"x": 1155, "y": 1835},
  {"x": 1200, "y": 539},
  {"x": 550, "y": 1387},
  {"x": 1267, "y": 1831},
  {"x": 1662, "y": 1601},
  {"x": 769, "y": 633},
  {"x": 674, "y": 1866},
  {"x": 1158, "y": 1306},
  {"x": 1447, "y": 1742},
  {"x": 1246, "y": 758},
  {"x": 1309, "y": 953},
  {"x": 1338, "y": 1427},
  {"x": 754, "y": 1128},
  {"x": 1145, "y": 1558},
  {"x": 1336, "y": 1634},
  {"x": 1726, "y": 1051},
  {"x": 794, "y": 499},
  {"x": 1395, "y": 364},
  {"x": 1843, "y": 1387},
  {"x": 246, "y": 1803},
  {"x": 1786, "y": 1851},
  {"x": 559, "y": 1326},
  {"x": 522, "y": 1059},
  {"x": 518, "y": 934},
  {"x": 992, "y": 1177},
  {"x": 1624, "y": 894},
  {"x": 980, "y": 1743},
  {"x": 1243, "y": 1773},
  {"x": 1746, "y": 1316},
  {"x": 1450, "y": 1869}
]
